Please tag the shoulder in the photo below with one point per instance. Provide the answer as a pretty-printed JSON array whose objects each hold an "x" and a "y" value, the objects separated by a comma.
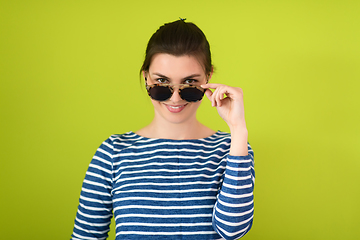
[
  {"x": 218, "y": 140},
  {"x": 219, "y": 136},
  {"x": 118, "y": 142}
]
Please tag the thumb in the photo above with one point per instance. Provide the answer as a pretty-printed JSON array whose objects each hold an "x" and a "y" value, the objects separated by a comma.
[{"x": 208, "y": 93}]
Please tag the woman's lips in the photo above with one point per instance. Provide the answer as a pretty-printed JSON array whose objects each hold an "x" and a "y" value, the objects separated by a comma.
[{"x": 175, "y": 108}]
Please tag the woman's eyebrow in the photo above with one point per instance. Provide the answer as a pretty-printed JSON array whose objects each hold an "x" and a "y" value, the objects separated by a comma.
[
  {"x": 160, "y": 75},
  {"x": 192, "y": 76},
  {"x": 184, "y": 78}
]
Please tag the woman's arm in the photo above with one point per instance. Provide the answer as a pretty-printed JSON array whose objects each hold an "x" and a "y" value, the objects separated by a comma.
[
  {"x": 234, "y": 208},
  {"x": 95, "y": 205}
]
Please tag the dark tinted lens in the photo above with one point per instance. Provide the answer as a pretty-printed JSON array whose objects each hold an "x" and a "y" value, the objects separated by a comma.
[
  {"x": 191, "y": 94},
  {"x": 160, "y": 93}
]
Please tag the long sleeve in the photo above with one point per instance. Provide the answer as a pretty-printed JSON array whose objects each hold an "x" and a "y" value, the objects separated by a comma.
[
  {"x": 166, "y": 189},
  {"x": 95, "y": 205},
  {"x": 234, "y": 208}
]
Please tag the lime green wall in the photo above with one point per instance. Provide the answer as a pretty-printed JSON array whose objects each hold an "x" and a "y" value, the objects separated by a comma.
[{"x": 69, "y": 74}]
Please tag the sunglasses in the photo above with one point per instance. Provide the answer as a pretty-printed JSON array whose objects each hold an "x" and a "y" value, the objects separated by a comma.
[{"x": 163, "y": 92}]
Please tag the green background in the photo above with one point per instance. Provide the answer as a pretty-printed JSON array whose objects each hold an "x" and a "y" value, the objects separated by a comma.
[{"x": 69, "y": 75}]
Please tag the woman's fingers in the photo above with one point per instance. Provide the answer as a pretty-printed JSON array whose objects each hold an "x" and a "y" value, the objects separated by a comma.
[
  {"x": 228, "y": 100},
  {"x": 211, "y": 85},
  {"x": 221, "y": 93},
  {"x": 216, "y": 96},
  {"x": 210, "y": 95}
]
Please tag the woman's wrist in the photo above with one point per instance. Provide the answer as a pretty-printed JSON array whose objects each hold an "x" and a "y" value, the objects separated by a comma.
[{"x": 239, "y": 141}]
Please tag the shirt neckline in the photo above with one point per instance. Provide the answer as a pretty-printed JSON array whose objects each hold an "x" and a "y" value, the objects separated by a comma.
[{"x": 217, "y": 134}]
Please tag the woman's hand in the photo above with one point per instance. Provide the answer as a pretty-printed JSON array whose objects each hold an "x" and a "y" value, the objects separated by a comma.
[
  {"x": 231, "y": 109},
  {"x": 229, "y": 103}
]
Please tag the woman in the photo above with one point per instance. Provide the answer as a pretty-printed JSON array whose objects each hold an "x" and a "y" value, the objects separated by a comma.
[{"x": 175, "y": 178}]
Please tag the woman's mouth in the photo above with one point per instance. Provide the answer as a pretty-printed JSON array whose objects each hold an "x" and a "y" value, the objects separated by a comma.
[{"x": 175, "y": 108}]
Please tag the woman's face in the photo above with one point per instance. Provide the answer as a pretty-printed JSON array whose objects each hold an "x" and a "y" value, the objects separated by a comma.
[{"x": 170, "y": 69}]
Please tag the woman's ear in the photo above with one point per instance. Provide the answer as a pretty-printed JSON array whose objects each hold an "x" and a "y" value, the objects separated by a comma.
[
  {"x": 210, "y": 74},
  {"x": 144, "y": 75}
]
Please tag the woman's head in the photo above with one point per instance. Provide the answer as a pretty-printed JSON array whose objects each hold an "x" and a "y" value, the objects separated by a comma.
[{"x": 179, "y": 38}]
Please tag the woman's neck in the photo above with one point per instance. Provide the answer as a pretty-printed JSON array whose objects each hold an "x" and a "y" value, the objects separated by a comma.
[{"x": 177, "y": 131}]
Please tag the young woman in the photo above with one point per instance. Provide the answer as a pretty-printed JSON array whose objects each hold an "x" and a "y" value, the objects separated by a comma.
[{"x": 175, "y": 178}]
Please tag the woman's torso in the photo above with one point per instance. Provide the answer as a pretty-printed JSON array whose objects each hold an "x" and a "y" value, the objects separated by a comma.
[{"x": 166, "y": 189}]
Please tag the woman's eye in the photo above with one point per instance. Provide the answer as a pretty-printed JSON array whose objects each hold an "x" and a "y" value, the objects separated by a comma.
[
  {"x": 190, "y": 81},
  {"x": 162, "y": 80}
]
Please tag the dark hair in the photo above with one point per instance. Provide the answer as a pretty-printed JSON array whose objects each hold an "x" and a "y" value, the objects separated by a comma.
[{"x": 179, "y": 38}]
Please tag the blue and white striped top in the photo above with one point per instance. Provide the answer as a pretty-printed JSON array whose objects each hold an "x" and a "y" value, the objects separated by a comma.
[{"x": 167, "y": 189}]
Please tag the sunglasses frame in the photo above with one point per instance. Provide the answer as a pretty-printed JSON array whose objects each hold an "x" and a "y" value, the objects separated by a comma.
[{"x": 170, "y": 86}]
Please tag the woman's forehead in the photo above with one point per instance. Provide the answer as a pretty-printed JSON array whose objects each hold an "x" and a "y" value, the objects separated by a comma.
[{"x": 175, "y": 66}]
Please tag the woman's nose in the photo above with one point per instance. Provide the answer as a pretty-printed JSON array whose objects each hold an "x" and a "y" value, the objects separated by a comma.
[{"x": 175, "y": 96}]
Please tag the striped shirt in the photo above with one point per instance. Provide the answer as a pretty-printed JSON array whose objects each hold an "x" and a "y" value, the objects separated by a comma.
[{"x": 167, "y": 189}]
